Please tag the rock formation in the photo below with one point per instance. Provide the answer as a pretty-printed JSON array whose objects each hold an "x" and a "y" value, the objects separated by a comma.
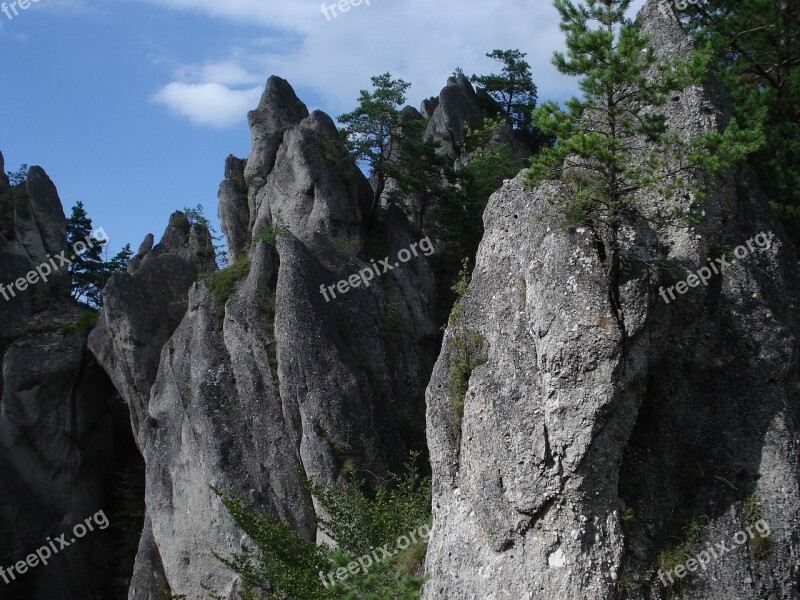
[
  {"x": 240, "y": 378},
  {"x": 57, "y": 410},
  {"x": 687, "y": 417}
]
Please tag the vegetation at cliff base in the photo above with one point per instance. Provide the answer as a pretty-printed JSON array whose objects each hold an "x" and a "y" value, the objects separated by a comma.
[{"x": 360, "y": 519}]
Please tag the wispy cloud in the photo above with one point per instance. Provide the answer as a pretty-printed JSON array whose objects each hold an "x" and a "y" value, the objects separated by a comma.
[
  {"x": 419, "y": 40},
  {"x": 209, "y": 104}
]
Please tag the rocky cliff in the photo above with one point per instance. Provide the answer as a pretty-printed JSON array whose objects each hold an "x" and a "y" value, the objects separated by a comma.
[
  {"x": 57, "y": 409},
  {"x": 588, "y": 454},
  {"x": 252, "y": 378}
]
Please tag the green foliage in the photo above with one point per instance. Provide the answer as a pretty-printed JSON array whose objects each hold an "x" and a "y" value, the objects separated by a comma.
[
  {"x": 19, "y": 176},
  {"x": 88, "y": 268},
  {"x": 168, "y": 595},
  {"x": 790, "y": 217},
  {"x": 421, "y": 170},
  {"x": 468, "y": 350},
  {"x": 756, "y": 53},
  {"x": 598, "y": 133},
  {"x": 215, "y": 251},
  {"x": 681, "y": 551},
  {"x": 752, "y": 510},
  {"x": 271, "y": 232},
  {"x": 86, "y": 323},
  {"x": 628, "y": 515},
  {"x": 284, "y": 566},
  {"x": 371, "y": 130},
  {"x": 456, "y": 219},
  {"x": 223, "y": 281},
  {"x": 349, "y": 246},
  {"x": 513, "y": 88}
]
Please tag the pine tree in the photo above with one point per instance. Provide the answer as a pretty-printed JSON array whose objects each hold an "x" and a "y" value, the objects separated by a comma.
[
  {"x": 623, "y": 85},
  {"x": 513, "y": 88},
  {"x": 756, "y": 50},
  {"x": 372, "y": 130},
  {"x": 421, "y": 170},
  {"x": 87, "y": 269}
]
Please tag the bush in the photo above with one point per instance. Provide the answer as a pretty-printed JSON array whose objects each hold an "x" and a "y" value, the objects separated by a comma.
[
  {"x": 86, "y": 323},
  {"x": 349, "y": 246},
  {"x": 468, "y": 351},
  {"x": 222, "y": 282},
  {"x": 282, "y": 565}
]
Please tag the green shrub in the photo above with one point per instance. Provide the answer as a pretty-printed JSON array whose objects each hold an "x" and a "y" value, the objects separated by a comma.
[
  {"x": 468, "y": 351},
  {"x": 349, "y": 246},
  {"x": 677, "y": 554},
  {"x": 271, "y": 232},
  {"x": 86, "y": 323},
  {"x": 752, "y": 510},
  {"x": 790, "y": 217},
  {"x": 222, "y": 282},
  {"x": 285, "y": 566}
]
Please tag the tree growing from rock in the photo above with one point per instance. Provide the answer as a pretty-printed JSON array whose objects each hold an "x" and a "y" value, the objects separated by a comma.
[
  {"x": 614, "y": 141},
  {"x": 372, "y": 130},
  {"x": 422, "y": 171},
  {"x": 756, "y": 55},
  {"x": 512, "y": 88},
  {"x": 89, "y": 270}
]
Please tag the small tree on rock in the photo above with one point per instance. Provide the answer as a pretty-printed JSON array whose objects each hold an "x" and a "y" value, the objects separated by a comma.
[
  {"x": 616, "y": 137},
  {"x": 372, "y": 130},
  {"x": 513, "y": 88}
]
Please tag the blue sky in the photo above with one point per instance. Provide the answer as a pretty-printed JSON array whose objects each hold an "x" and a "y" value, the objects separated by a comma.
[{"x": 132, "y": 105}]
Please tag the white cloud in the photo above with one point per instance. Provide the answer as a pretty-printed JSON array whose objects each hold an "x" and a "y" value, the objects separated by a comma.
[
  {"x": 210, "y": 104},
  {"x": 421, "y": 41}
]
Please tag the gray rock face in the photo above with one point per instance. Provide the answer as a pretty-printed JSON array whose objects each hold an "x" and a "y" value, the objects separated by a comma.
[
  {"x": 313, "y": 186},
  {"x": 458, "y": 108},
  {"x": 57, "y": 413},
  {"x": 56, "y": 451},
  {"x": 568, "y": 423},
  {"x": 142, "y": 308},
  {"x": 32, "y": 229},
  {"x": 233, "y": 212},
  {"x": 239, "y": 386},
  {"x": 278, "y": 110},
  {"x": 428, "y": 106}
]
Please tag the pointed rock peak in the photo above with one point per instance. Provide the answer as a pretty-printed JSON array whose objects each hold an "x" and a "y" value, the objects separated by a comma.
[
  {"x": 278, "y": 110},
  {"x": 409, "y": 113},
  {"x": 428, "y": 106},
  {"x": 279, "y": 99},
  {"x": 461, "y": 81}
]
